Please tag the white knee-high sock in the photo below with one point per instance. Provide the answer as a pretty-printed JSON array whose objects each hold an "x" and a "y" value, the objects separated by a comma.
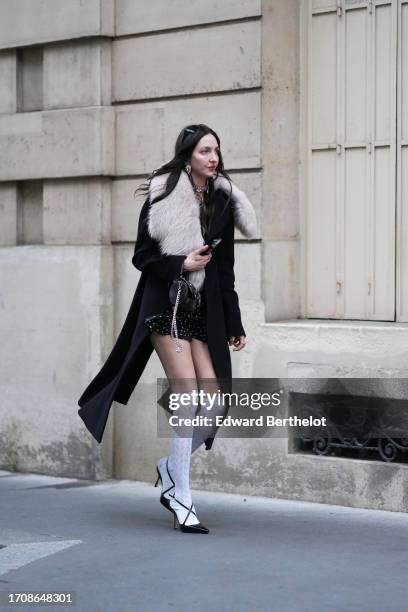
[{"x": 179, "y": 466}]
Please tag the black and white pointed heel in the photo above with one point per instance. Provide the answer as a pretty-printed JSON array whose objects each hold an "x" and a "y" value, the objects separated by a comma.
[
  {"x": 163, "y": 499},
  {"x": 196, "y": 528}
]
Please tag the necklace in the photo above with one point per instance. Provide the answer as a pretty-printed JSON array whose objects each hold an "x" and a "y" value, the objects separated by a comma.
[
  {"x": 199, "y": 195},
  {"x": 199, "y": 192},
  {"x": 201, "y": 189}
]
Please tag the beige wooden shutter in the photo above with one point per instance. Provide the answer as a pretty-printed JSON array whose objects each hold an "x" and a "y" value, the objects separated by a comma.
[{"x": 349, "y": 237}]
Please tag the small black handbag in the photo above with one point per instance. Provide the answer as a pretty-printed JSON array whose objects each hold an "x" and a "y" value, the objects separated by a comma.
[{"x": 183, "y": 294}]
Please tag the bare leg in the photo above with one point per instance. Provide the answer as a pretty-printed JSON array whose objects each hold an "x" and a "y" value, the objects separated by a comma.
[{"x": 175, "y": 365}]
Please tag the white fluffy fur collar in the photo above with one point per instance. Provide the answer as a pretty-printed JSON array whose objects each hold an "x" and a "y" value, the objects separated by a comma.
[{"x": 175, "y": 221}]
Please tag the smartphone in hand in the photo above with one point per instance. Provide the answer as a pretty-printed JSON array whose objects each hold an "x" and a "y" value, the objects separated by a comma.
[{"x": 212, "y": 246}]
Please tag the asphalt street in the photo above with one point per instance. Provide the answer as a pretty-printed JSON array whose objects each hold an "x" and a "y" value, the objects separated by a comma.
[{"x": 113, "y": 546}]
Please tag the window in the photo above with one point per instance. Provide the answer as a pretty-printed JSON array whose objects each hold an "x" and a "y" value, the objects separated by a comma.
[{"x": 355, "y": 212}]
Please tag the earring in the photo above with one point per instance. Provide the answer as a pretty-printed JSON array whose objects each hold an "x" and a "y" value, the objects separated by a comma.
[{"x": 188, "y": 169}]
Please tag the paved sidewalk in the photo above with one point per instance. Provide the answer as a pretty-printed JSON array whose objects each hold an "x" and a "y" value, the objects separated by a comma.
[{"x": 113, "y": 544}]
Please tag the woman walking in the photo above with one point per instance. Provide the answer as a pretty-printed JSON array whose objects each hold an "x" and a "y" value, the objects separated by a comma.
[{"x": 186, "y": 226}]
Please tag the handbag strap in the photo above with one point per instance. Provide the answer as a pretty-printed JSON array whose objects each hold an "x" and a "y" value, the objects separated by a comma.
[
  {"x": 174, "y": 321},
  {"x": 181, "y": 269}
]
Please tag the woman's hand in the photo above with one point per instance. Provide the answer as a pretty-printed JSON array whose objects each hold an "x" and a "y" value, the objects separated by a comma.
[
  {"x": 195, "y": 261},
  {"x": 238, "y": 342}
]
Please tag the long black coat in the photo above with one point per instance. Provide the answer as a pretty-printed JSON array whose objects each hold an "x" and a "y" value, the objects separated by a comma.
[{"x": 121, "y": 372}]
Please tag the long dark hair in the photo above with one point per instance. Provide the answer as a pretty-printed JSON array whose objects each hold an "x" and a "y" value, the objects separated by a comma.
[{"x": 185, "y": 145}]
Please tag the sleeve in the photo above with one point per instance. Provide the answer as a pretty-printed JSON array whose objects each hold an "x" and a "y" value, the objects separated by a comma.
[
  {"x": 225, "y": 263},
  {"x": 147, "y": 254}
]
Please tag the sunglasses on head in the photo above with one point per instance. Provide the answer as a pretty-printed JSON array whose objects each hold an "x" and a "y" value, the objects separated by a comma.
[{"x": 188, "y": 131}]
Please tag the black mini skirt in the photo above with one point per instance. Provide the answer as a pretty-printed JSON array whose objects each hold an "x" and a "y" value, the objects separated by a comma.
[{"x": 189, "y": 324}]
